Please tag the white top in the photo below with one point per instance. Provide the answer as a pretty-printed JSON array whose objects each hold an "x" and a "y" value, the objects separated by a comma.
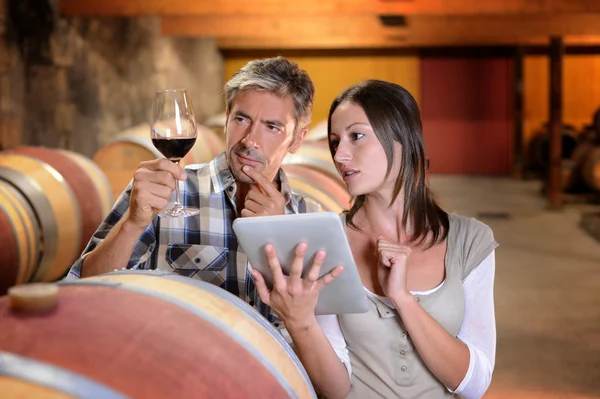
[{"x": 477, "y": 331}]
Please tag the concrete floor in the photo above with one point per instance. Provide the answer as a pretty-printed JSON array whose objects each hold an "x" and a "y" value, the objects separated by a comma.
[{"x": 547, "y": 289}]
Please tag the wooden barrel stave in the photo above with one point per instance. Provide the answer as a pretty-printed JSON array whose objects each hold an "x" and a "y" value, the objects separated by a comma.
[
  {"x": 317, "y": 156},
  {"x": 318, "y": 132},
  {"x": 98, "y": 179},
  {"x": 13, "y": 388},
  {"x": 235, "y": 355},
  {"x": 55, "y": 207},
  {"x": 19, "y": 247}
]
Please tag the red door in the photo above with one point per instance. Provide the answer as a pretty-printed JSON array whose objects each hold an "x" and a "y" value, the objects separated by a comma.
[{"x": 467, "y": 110}]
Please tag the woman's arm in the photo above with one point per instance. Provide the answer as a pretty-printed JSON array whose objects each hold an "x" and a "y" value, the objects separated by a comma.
[
  {"x": 451, "y": 359},
  {"x": 295, "y": 299},
  {"x": 325, "y": 365},
  {"x": 478, "y": 329}
]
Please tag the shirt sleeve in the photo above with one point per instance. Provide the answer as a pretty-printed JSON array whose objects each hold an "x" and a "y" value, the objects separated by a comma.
[
  {"x": 140, "y": 257},
  {"x": 478, "y": 329},
  {"x": 331, "y": 327}
]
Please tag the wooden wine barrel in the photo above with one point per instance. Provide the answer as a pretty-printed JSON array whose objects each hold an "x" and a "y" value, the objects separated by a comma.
[
  {"x": 317, "y": 132},
  {"x": 56, "y": 209},
  {"x": 217, "y": 124},
  {"x": 120, "y": 158},
  {"x": 20, "y": 244},
  {"x": 318, "y": 186},
  {"x": 87, "y": 185},
  {"x": 539, "y": 146},
  {"x": 154, "y": 334},
  {"x": 590, "y": 168},
  {"x": 315, "y": 155}
]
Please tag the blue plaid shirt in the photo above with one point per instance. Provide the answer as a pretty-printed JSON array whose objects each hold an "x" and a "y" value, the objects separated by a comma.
[{"x": 203, "y": 247}]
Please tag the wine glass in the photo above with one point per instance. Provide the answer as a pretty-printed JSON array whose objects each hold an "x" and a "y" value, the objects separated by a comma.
[{"x": 173, "y": 132}]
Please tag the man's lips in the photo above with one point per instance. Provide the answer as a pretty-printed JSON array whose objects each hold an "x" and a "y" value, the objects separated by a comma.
[{"x": 247, "y": 159}]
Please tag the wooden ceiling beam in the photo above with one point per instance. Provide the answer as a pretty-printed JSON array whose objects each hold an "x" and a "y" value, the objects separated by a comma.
[
  {"x": 281, "y": 8},
  {"x": 285, "y": 8},
  {"x": 493, "y": 29},
  {"x": 321, "y": 32},
  {"x": 324, "y": 27}
]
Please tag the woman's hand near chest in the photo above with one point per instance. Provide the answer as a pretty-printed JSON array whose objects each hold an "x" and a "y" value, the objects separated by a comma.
[
  {"x": 392, "y": 269},
  {"x": 392, "y": 262}
]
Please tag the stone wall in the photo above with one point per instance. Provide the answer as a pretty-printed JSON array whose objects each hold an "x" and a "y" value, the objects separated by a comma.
[{"x": 75, "y": 83}]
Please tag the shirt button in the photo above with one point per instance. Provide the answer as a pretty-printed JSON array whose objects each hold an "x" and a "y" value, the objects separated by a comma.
[
  {"x": 403, "y": 352},
  {"x": 403, "y": 336},
  {"x": 417, "y": 299},
  {"x": 403, "y": 368},
  {"x": 230, "y": 188}
]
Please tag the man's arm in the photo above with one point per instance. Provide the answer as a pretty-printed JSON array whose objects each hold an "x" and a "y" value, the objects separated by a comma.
[{"x": 127, "y": 236}]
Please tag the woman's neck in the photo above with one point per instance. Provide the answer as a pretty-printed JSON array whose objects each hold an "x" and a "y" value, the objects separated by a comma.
[{"x": 376, "y": 217}]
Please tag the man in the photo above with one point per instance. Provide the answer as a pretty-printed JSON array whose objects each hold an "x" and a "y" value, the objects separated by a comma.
[{"x": 268, "y": 106}]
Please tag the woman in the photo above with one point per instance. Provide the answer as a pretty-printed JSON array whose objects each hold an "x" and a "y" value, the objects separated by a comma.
[{"x": 430, "y": 331}]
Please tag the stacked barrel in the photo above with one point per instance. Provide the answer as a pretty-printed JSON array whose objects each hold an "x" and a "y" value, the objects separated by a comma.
[
  {"x": 51, "y": 202},
  {"x": 580, "y": 159},
  {"x": 144, "y": 334},
  {"x": 312, "y": 173}
]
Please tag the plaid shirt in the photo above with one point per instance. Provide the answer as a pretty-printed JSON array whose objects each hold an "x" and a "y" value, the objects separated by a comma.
[{"x": 203, "y": 247}]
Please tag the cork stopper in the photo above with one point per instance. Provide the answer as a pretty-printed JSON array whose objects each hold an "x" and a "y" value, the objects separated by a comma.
[{"x": 34, "y": 297}]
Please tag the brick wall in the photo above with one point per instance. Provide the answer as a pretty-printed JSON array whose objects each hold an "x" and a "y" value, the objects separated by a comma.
[{"x": 91, "y": 78}]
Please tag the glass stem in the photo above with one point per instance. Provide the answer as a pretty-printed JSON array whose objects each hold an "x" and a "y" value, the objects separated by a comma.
[{"x": 177, "y": 198}]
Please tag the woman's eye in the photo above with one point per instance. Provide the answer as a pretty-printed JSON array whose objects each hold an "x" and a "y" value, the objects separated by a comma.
[
  {"x": 334, "y": 143},
  {"x": 357, "y": 136}
]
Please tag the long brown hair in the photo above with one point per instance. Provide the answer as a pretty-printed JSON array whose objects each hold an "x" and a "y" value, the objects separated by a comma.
[{"x": 394, "y": 116}]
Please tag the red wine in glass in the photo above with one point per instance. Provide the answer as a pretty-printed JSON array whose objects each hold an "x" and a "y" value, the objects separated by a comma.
[
  {"x": 174, "y": 149},
  {"x": 173, "y": 133}
]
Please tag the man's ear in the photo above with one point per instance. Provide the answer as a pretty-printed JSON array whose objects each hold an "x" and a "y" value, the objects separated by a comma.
[{"x": 298, "y": 141}]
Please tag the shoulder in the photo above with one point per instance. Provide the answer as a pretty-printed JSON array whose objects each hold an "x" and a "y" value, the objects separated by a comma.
[
  {"x": 470, "y": 228},
  {"x": 473, "y": 239}
]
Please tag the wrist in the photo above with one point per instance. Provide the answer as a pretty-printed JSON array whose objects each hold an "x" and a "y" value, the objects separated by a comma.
[
  {"x": 301, "y": 325},
  {"x": 130, "y": 226},
  {"x": 402, "y": 300}
]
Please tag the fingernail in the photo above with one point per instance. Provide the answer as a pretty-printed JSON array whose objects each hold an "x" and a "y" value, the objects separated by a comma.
[
  {"x": 183, "y": 176},
  {"x": 246, "y": 168},
  {"x": 268, "y": 248}
]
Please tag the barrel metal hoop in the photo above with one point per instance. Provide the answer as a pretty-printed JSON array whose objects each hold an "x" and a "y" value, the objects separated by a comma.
[
  {"x": 54, "y": 377},
  {"x": 28, "y": 243},
  {"x": 43, "y": 212}
]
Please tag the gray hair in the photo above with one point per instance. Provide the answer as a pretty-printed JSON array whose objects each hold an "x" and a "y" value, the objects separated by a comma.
[{"x": 280, "y": 76}]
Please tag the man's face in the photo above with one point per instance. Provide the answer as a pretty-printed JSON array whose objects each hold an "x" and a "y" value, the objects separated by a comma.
[{"x": 260, "y": 132}]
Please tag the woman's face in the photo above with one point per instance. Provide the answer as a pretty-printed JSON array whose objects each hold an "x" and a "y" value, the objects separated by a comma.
[{"x": 359, "y": 156}]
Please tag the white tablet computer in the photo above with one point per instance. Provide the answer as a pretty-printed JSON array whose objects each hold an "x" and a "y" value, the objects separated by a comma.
[{"x": 322, "y": 230}]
